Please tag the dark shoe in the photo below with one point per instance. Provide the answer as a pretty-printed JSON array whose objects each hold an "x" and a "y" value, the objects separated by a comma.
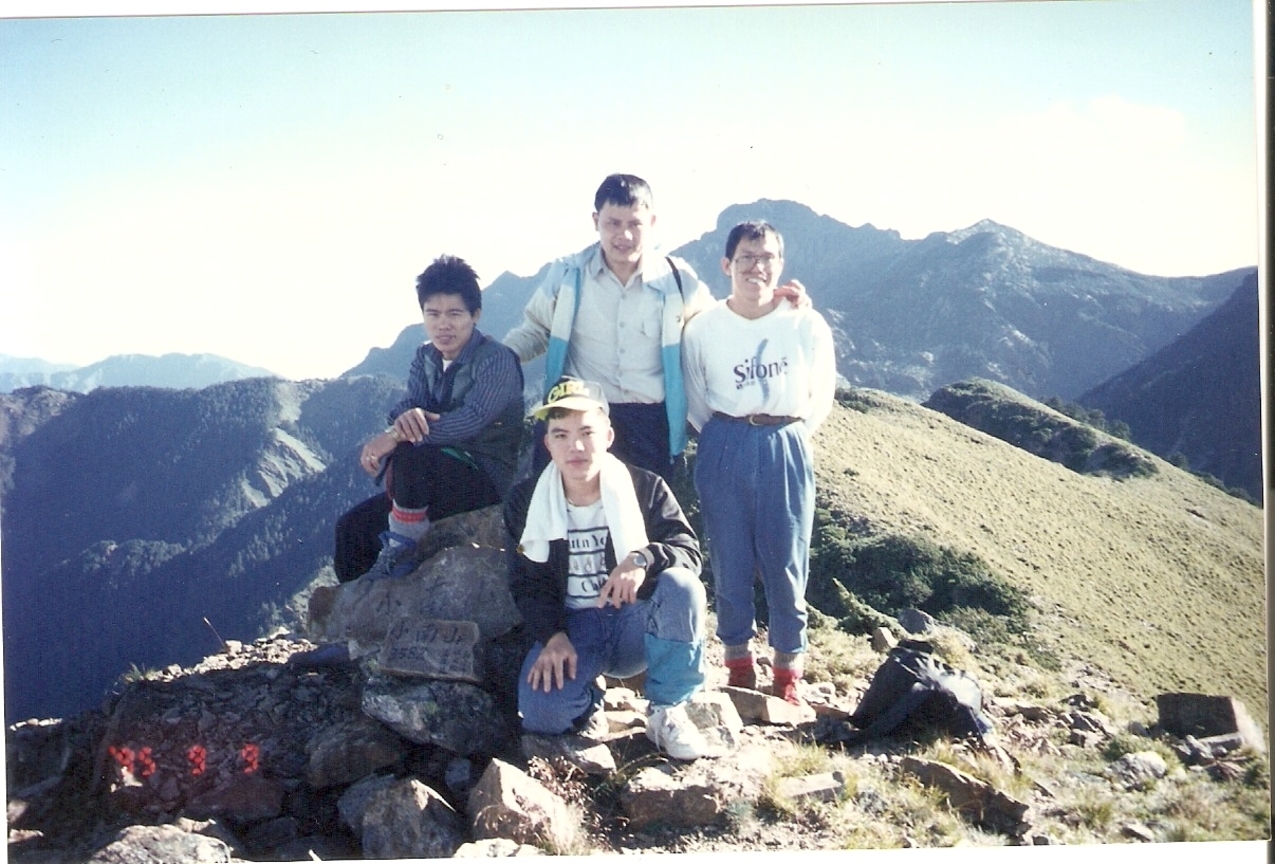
[
  {"x": 397, "y": 558},
  {"x": 334, "y": 654}
]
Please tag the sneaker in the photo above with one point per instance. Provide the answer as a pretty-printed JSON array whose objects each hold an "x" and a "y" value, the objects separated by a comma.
[
  {"x": 672, "y": 730},
  {"x": 397, "y": 558}
]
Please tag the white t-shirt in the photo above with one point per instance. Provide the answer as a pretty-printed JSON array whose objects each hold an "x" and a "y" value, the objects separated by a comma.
[
  {"x": 782, "y": 364},
  {"x": 587, "y": 535}
]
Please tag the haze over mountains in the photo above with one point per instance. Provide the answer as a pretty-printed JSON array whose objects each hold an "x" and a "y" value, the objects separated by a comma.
[
  {"x": 131, "y": 513},
  {"x": 125, "y": 370}
]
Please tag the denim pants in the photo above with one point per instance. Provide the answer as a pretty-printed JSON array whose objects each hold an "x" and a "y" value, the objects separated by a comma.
[
  {"x": 757, "y": 495},
  {"x": 663, "y": 634}
]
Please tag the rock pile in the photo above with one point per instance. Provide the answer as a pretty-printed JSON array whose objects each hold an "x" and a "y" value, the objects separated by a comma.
[{"x": 411, "y": 748}]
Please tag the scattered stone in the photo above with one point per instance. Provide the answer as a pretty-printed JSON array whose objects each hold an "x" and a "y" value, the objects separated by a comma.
[
  {"x": 816, "y": 787},
  {"x": 1138, "y": 831},
  {"x": 495, "y": 847},
  {"x": 408, "y": 819},
  {"x": 755, "y": 706},
  {"x": 883, "y": 640},
  {"x": 981, "y": 803},
  {"x": 1207, "y": 716},
  {"x": 159, "y": 844},
  {"x": 508, "y": 803},
  {"x": 1089, "y": 721},
  {"x": 1030, "y": 711},
  {"x": 1084, "y": 740},
  {"x": 715, "y": 716},
  {"x": 657, "y": 796},
  {"x": 351, "y": 751},
  {"x": 1136, "y": 770},
  {"x": 591, "y": 757}
]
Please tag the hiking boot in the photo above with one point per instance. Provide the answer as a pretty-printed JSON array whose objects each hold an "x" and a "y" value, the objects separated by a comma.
[
  {"x": 743, "y": 673},
  {"x": 785, "y": 685},
  {"x": 397, "y": 558},
  {"x": 672, "y": 730}
]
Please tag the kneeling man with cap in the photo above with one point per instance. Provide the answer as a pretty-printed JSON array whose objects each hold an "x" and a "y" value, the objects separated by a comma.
[{"x": 606, "y": 576}]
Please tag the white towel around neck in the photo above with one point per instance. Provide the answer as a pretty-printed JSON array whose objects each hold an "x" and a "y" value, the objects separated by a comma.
[{"x": 547, "y": 512}]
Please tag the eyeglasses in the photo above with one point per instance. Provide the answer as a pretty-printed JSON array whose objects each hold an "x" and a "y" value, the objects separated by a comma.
[{"x": 746, "y": 262}]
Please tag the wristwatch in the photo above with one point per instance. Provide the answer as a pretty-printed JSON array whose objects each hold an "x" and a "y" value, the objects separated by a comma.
[{"x": 640, "y": 560}]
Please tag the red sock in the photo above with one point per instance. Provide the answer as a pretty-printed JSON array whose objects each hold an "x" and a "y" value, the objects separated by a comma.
[
  {"x": 742, "y": 673},
  {"x": 786, "y": 685}
]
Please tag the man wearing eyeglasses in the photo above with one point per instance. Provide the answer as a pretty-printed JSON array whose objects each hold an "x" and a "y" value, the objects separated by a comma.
[{"x": 760, "y": 378}]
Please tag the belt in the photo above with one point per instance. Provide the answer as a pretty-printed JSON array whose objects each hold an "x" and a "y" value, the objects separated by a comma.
[{"x": 759, "y": 419}]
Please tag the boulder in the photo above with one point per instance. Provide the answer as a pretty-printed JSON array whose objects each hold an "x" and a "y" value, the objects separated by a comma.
[
  {"x": 1206, "y": 716},
  {"x": 981, "y": 803},
  {"x": 353, "y": 801},
  {"x": 159, "y": 844},
  {"x": 408, "y": 819},
  {"x": 660, "y": 795},
  {"x": 1137, "y": 770},
  {"x": 453, "y": 715},
  {"x": 753, "y": 705},
  {"x": 509, "y": 804},
  {"x": 457, "y": 584},
  {"x": 350, "y": 751}
]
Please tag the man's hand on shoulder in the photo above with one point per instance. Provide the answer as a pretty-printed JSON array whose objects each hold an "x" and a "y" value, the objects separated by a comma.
[
  {"x": 795, "y": 293},
  {"x": 556, "y": 663}
]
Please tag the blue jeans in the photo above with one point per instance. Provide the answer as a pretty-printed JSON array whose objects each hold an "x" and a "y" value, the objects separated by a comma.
[
  {"x": 663, "y": 634},
  {"x": 756, "y": 487}
]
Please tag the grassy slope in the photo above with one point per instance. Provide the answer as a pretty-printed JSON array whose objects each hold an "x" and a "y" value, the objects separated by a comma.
[{"x": 1157, "y": 581}]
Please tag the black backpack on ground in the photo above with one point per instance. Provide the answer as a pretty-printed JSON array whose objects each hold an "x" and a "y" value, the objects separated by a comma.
[{"x": 914, "y": 690}]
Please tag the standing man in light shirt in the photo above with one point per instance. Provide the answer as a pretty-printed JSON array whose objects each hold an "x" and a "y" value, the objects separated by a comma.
[
  {"x": 760, "y": 378},
  {"x": 614, "y": 314}
]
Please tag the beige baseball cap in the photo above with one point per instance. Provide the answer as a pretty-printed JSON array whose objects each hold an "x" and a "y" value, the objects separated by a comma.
[{"x": 573, "y": 394}]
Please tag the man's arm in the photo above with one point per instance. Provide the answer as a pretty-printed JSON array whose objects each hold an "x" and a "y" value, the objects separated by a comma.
[
  {"x": 530, "y": 339},
  {"x": 497, "y": 382},
  {"x": 694, "y": 379},
  {"x": 823, "y": 373},
  {"x": 672, "y": 541},
  {"x": 536, "y": 589}
]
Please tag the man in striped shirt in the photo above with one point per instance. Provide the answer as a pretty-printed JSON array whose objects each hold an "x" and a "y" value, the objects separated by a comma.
[{"x": 452, "y": 441}]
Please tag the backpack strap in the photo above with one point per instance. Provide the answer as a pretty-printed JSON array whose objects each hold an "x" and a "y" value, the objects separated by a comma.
[{"x": 677, "y": 277}]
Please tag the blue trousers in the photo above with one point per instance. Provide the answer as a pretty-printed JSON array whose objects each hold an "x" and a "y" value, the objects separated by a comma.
[
  {"x": 663, "y": 634},
  {"x": 756, "y": 487}
]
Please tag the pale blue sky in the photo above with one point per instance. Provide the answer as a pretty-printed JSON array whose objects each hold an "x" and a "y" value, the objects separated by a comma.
[{"x": 267, "y": 187}]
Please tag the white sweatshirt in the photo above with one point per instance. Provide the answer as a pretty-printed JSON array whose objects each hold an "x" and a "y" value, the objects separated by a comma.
[{"x": 782, "y": 363}]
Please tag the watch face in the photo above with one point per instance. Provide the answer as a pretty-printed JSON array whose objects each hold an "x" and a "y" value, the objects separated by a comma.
[{"x": 639, "y": 559}]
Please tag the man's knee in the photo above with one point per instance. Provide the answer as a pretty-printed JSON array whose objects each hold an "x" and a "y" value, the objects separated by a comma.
[{"x": 678, "y": 606}]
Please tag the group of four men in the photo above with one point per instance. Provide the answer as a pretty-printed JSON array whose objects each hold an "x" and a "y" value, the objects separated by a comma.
[{"x": 606, "y": 571}]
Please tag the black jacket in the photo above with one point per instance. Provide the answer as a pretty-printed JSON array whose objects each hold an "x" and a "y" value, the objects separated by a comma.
[{"x": 540, "y": 590}]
